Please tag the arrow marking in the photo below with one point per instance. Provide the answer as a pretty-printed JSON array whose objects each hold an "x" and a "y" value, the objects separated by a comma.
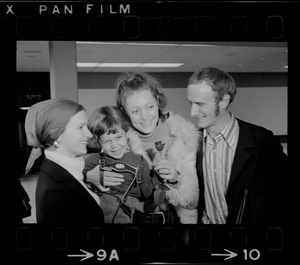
[
  {"x": 86, "y": 255},
  {"x": 230, "y": 254}
]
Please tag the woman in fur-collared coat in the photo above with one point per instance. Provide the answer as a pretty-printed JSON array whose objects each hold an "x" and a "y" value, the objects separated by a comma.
[
  {"x": 180, "y": 148},
  {"x": 167, "y": 141}
]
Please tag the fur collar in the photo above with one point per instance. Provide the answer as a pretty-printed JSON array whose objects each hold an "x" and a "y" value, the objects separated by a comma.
[
  {"x": 186, "y": 130},
  {"x": 178, "y": 127}
]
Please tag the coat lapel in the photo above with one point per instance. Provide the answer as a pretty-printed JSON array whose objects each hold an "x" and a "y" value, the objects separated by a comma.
[
  {"x": 69, "y": 182},
  {"x": 73, "y": 185},
  {"x": 242, "y": 154}
]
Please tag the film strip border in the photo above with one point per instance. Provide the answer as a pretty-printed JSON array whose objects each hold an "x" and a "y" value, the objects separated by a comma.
[
  {"x": 151, "y": 20},
  {"x": 148, "y": 21},
  {"x": 150, "y": 244}
]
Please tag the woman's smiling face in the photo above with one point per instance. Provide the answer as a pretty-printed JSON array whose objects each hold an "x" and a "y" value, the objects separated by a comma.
[
  {"x": 73, "y": 141},
  {"x": 142, "y": 109}
]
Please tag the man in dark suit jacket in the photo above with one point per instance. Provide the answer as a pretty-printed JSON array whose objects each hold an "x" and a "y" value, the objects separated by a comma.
[{"x": 242, "y": 169}]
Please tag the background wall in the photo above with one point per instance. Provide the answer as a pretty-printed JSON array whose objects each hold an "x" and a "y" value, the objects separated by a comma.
[
  {"x": 265, "y": 106},
  {"x": 261, "y": 98}
]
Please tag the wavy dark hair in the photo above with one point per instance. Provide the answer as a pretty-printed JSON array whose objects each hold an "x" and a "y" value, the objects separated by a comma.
[{"x": 130, "y": 82}]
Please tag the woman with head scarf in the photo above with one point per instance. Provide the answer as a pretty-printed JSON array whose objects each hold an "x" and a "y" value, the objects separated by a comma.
[{"x": 58, "y": 127}]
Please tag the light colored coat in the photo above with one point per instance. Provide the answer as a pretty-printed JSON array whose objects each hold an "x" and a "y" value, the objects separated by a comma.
[{"x": 185, "y": 194}]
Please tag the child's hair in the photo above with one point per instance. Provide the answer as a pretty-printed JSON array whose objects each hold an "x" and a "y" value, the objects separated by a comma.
[{"x": 108, "y": 119}]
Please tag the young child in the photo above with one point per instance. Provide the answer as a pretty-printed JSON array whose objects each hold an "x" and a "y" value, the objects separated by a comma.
[{"x": 110, "y": 131}]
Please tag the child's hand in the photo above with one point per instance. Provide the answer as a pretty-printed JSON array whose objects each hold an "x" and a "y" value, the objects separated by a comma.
[
  {"x": 112, "y": 178},
  {"x": 104, "y": 178}
]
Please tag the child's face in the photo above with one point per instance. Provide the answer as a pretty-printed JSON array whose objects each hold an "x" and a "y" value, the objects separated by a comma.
[{"x": 114, "y": 144}]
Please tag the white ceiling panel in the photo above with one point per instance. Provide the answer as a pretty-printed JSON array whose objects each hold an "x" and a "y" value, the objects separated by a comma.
[
  {"x": 137, "y": 54},
  {"x": 189, "y": 53},
  {"x": 33, "y": 56},
  {"x": 92, "y": 53}
]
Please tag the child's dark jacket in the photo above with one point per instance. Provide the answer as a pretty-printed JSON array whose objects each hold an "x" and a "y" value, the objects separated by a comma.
[{"x": 144, "y": 189}]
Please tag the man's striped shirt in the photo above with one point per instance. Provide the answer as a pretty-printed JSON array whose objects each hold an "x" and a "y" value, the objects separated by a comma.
[{"x": 218, "y": 154}]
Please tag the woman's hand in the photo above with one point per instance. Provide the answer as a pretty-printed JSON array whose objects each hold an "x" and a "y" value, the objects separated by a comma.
[
  {"x": 104, "y": 179},
  {"x": 167, "y": 170}
]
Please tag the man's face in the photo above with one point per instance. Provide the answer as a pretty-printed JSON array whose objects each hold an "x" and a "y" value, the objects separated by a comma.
[{"x": 203, "y": 104}]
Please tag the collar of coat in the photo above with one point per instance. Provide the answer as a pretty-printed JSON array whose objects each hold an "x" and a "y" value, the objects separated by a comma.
[{"x": 178, "y": 128}]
